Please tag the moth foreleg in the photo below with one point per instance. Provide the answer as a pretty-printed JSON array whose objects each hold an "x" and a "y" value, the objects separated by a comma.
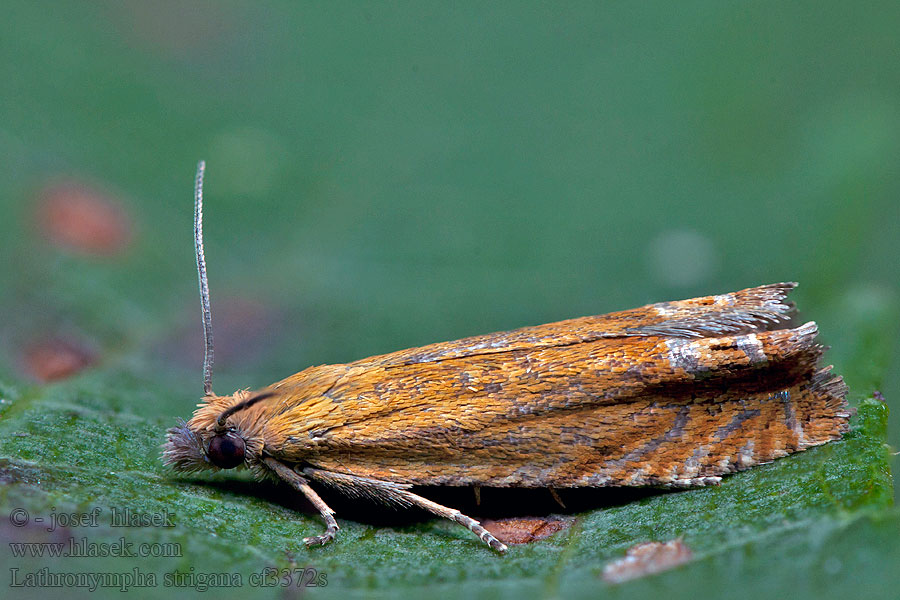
[
  {"x": 300, "y": 484},
  {"x": 397, "y": 493}
]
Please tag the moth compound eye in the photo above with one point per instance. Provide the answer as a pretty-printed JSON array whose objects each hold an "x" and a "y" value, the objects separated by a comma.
[{"x": 226, "y": 451}]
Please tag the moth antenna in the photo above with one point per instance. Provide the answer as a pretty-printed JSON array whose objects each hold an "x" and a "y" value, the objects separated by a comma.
[
  {"x": 201, "y": 275},
  {"x": 220, "y": 422}
]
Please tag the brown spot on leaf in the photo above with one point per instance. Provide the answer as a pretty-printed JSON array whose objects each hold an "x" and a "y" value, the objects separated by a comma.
[
  {"x": 12, "y": 472},
  {"x": 79, "y": 218},
  {"x": 646, "y": 559},
  {"x": 52, "y": 359},
  {"x": 524, "y": 530}
]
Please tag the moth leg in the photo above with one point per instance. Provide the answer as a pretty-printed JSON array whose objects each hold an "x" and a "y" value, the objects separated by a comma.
[
  {"x": 693, "y": 482},
  {"x": 300, "y": 484},
  {"x": 398, "y": 493},
  {"x": 556, "y": 497},
  {"x": 454, "y": 515}
]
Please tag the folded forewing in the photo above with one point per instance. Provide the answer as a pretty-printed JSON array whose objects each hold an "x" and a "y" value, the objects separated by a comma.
[{"x": 746, "y": 311}]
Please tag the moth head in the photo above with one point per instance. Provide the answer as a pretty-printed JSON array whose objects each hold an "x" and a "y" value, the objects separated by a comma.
[
  {"x": 220, "y": 435},
  {"x": 215, "y": 437}
]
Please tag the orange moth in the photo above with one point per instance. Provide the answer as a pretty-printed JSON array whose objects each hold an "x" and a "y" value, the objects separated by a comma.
[{"x": 673, "y": 394}]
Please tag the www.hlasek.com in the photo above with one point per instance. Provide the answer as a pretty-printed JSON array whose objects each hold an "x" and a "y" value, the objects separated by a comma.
[
  {"x": 201, "y": 581},
  {"x": 83, "y": 548}
]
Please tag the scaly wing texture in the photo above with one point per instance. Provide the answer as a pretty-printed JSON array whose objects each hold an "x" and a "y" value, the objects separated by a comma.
[
  {"x": 669, "y": 394},
  {"x": 745, "y": 311}
]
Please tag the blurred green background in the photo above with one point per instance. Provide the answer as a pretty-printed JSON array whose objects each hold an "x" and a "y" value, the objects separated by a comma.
[{"x": 385, "y": 175}]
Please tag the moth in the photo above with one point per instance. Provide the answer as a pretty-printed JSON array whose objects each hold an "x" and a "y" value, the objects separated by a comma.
[{"x": 674, "y": 394}]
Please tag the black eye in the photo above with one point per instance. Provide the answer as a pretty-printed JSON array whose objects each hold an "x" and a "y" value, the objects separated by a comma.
[{"x": 226, "y": 451}]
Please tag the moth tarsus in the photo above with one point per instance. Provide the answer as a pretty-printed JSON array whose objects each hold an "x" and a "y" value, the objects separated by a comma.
[{"x": 674, "y": 394}]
